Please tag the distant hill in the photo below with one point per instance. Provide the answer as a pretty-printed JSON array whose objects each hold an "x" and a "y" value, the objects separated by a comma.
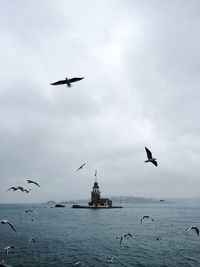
[{"x": 132, "y": 199}]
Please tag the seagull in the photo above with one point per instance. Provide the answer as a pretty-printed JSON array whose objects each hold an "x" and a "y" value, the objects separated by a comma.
[
  {"x": 7, "y": 249},
  {"x": 31, "y": 239},
  {"x": 111, "y": 260},
  {"x": 26, "y": 211},
  {"x": 193, "y": 228},
  {"x": 150, "y": 158},
  {"x": 146, "y": 217},
  {"x": 67, "y": 81},
  {"x": 123, "y": 236},
  {"x": 32, "y": 182},
  {"x": 6, "y": 222},
  {"x": 77, "y": 263},
  {"x": 14, "y": 188},
  {"x": 80, "y": 168}
]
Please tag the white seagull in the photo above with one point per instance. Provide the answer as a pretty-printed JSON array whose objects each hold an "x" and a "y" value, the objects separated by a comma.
[
  {"x": 26, "y": 211},
  {"x": 193, "y": 228},
  {"x": 7, "y": 249},
  {"x": 6, "y": 222},
  {"x": 123, "y": 236},
  {"x": 111, "y": 260},
  {"x": 150, "y": 157}
]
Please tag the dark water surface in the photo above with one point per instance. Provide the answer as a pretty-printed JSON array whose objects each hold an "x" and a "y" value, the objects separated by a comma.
[{"x": 65, "y": 236}]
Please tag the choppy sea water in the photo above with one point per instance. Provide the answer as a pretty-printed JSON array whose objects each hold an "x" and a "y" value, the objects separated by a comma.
[{"x": 85, "y": 237}]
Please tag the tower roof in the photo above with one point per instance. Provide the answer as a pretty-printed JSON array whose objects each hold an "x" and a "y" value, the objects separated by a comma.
[{"x": 95, "y": 185}]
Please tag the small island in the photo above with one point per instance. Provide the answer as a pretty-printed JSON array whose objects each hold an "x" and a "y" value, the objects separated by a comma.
[{"x": 96, "y": 201}]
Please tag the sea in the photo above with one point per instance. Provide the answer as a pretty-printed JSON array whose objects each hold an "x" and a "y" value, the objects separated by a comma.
[{"x": 91, "y": 237}]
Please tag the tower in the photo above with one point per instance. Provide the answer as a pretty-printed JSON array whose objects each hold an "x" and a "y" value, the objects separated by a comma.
[{"x": 95, "y": 194}]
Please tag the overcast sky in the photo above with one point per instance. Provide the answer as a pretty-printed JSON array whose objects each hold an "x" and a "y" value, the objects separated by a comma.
[{"x": 141, "y": 64}]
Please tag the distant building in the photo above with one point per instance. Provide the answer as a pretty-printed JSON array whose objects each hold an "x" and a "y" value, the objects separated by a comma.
[{"x": 96, "y": 200}]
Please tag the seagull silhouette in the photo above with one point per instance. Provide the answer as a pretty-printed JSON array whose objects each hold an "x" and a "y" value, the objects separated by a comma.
[
  {"x": 150, "y": 157},
  {"x": 6, "y": 222},
  {"x": 32, "y": 182},
  {"x": 67, "y": 81},
  {"x": 80, "y": 168},
  {"x": 123, "y": 236},
  {"x": 193, "y": 228}
]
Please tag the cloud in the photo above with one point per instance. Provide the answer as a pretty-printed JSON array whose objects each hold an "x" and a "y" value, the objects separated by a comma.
[{"x": 140, "y": 61}]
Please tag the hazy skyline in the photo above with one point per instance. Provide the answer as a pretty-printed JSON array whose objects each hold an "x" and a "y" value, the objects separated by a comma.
[{"x": 140, "y": 60}]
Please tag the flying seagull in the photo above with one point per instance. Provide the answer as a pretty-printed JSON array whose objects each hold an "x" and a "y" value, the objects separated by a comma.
[
  {"x": 67, "y": 81},
  {"x": 193, "y": 228},
  {"x": 150, "y": 157},
  {"x": 123, "y": 236},
  {"x": 14, "y": 188},
  {"x": 6, "y": 222},
  {"x": 32, "y": 182},
  {"x": 26, "y": 211},
  {"x": 80, "y": 168},
  {"x": 111, "y": 260},
  {"x": 146, "y": 217},
  {"x": 7, "y": 249}
]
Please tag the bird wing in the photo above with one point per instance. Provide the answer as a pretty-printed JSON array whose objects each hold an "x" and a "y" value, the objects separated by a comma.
[
  {"x": 72, "y": 80},
  {"x": 35, "y": 212},
  {"x": 11, "y": 226},
  {"x": 121, "y": 239},
  {"x": 21, "y": 188},
  {"x": 10, "y": 188},
  {"x": 154, "y": 163},
  {"x": 59, "y": 82},
  {"x": 32, "y": 182},
  {"x": 188, "y": 229},
  {"x": 197, "y": 230},
  {"x": 36, "y": 184},
  {"x": 149, "y": 154},
  {"x": 81, "y": 166}
]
